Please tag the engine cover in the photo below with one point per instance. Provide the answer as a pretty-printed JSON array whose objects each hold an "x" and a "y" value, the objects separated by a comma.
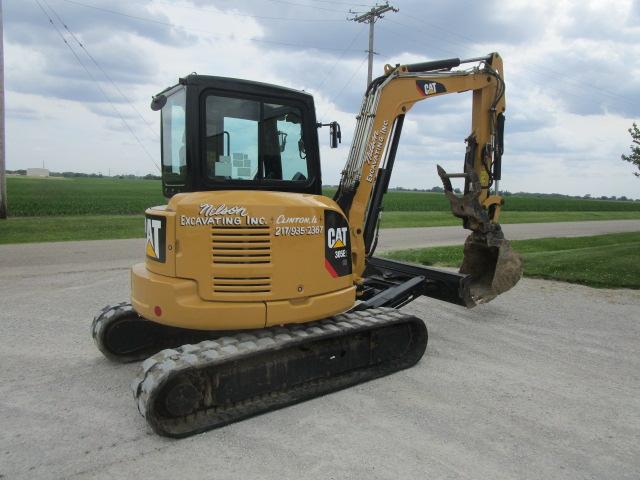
[{"x": 285, "y": 251}]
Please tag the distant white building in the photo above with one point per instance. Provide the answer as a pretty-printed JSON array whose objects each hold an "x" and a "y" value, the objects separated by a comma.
[{"x": 37, "y": 172}]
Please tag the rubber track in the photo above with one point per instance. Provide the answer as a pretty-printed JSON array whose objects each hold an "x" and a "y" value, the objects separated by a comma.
[
  {"x": 163, "y": 336},
  {"x": 158, "y": 370},
  {"x": 108, "y": 314}
]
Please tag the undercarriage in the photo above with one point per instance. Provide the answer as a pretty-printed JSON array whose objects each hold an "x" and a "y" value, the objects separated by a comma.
[{"x": 192, "y": 388}]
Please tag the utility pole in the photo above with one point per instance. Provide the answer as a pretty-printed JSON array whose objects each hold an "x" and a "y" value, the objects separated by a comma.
[
  {"x": 3, "y": 181},
  {"x": 370, "y": 17}
]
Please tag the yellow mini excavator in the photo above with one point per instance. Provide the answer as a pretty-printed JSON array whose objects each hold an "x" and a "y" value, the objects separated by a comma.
[{"x": 258, "y": 291}]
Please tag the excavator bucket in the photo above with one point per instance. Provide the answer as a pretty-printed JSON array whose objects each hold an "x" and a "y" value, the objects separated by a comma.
[
  {"x": 494, "y": 267},
  {"x": 492, "y": 264}
]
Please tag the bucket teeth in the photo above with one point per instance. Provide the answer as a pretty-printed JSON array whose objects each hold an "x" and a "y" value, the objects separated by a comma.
[{"x": 493, "y": 265}]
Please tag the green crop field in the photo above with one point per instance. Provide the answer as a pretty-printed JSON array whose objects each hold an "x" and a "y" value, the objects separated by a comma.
[
  {"x": 35, "y": 197},
  {"x": 48, "y": 209},
  {"x": 606, "y": 261},
  {"x": 29, "y": 197}
]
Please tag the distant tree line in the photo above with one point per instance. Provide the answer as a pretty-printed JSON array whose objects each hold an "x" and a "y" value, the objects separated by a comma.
[
  {"x": 88, "y": 175},
  {"x": 506, "y": 193},
  {"x": 560, "y": 195}
]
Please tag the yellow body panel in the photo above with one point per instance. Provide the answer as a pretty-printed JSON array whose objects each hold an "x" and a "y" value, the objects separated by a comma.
[
  {"x": 280, "y": 312},
  {"x": 181, "y": 306},
  {"x": 242, "y": 259}
]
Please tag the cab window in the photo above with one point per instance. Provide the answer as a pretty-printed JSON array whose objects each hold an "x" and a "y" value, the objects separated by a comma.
[
  {"x": 253, "y": 141},
  {"x": 174, "y": 161}
]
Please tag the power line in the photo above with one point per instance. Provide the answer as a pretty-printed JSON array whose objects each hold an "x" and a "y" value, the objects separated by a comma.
[
  {"x": 349, "y": 4},
  {"x": 335, "y": 64},
  {"x": 288, "y": 44},
  {"x": 542, "y": 70},
  {"x": 437, "y": 39},
  {"x": 259, "y": 17},
  {"x": 547, "y": 70},
  {"x": 595, "y": 88},
  {"x": 193, "y": 29},
  {"x": 61, "y": 35},
  {"x": 437, "y": 27},
  {"x": 95, "y": 62},
  {"x": 315, "y": 7},
  {"x": 95, "y": 7},
  {"x": 417, "y": 41},
  {"x": 344, "y": 87},
  {"x": 335, "y": 99},
  {"x": 307, "y": 5}
]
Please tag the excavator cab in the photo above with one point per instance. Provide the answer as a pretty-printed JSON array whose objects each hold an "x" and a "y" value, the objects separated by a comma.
[{"x": 228, "y": 134}]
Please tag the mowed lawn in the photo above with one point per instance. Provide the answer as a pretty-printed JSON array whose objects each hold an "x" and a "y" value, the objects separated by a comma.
[
  {"x": 57, "y": 209},
  {"x": 442, "y": 219},
  {"x": 605, "y": 261}
]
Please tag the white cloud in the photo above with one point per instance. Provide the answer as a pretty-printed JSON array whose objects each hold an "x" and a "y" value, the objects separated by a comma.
[{"x": 571, "y": 71}]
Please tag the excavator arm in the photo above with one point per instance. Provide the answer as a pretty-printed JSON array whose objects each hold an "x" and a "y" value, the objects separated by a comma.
[{"x": 490, "y": 267}]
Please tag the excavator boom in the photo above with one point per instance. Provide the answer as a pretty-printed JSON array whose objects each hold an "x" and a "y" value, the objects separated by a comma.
[{"x": 488, "y": 258}]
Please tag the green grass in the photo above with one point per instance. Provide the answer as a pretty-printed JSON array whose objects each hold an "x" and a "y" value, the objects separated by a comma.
[
  {"x": 439, "y": 219},
  {"x": 56, "y": 229},
  {"x": 604, "y": 261}
]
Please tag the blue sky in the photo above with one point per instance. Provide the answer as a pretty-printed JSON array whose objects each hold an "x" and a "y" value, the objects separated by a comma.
[{"x": 572, "y": 70}]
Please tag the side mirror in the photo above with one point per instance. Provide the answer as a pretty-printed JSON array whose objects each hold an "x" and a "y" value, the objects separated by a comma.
[{"x": 335, "y": 134}]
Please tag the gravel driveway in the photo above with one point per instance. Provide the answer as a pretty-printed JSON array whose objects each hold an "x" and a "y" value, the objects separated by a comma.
[{"x": 542, "y": 383}]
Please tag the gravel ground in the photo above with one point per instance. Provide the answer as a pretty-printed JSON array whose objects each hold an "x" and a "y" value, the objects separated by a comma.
[{"x": 542, "y": 383}]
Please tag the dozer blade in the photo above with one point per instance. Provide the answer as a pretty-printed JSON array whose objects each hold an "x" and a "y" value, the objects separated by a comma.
[{"x": 493, "y": 265}]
